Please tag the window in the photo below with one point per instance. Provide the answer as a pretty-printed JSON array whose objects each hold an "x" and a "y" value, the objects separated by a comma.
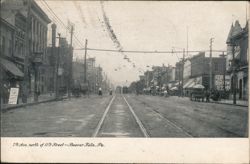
[{"x": 10, "y": 48}]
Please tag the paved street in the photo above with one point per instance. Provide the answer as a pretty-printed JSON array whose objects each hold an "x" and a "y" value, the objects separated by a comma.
[
  {"x": 75, "y": 117},
  {"x": 126, "y": 115},
  {"x": 180, "y": 117}
]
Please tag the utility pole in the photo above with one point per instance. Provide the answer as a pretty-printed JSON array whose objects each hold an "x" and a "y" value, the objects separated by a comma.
[
  {"x": 57, "y": 67},
  {"x": 70, "y": 62},
  {"x": 53, "y": 26},
  {"x": 182, "y": 77},
  {"x": 85, "y": 62},
  {"x": 27, "y": 54},
  {"x": 187, "y": 40},
  {"x": 179, "y": 74},
  {"x": 210, "y": 66}
]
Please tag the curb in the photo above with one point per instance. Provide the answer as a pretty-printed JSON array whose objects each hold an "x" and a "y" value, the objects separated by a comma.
[
  {"x": 29, "y": 104},
  {"x": 228, "y": 104}
]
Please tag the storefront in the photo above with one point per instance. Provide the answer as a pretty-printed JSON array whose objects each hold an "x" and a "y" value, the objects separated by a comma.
[{"x": 11, "y": 77}]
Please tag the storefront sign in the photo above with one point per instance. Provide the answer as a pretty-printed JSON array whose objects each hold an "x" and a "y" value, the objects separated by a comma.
[
  {"x": 219, "y": 82},
  {"x": 13, "y": 95}
]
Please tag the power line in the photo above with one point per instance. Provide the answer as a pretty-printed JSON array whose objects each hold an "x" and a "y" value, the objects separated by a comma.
[
  {"x": 135, "y": 51},
  {"x": 61, "y": 22}
]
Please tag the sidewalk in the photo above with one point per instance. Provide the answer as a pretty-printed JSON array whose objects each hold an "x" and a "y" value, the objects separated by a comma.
[
  {"x": 222, "y": 101},
  {"x": 45, "y": 98},
  {"x": 30, "y": 101},
  {"x": 226, "y": 101}
]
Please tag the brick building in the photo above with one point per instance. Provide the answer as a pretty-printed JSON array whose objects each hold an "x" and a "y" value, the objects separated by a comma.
[
  {"x": 200, "y": 71},
  {"x": 29, "y": 40}
]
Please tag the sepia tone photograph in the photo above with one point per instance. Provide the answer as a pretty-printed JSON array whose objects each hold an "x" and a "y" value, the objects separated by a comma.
[{"x": 123, "y": 69}]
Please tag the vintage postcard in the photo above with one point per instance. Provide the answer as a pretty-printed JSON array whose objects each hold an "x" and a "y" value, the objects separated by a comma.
[{"x": 124, "y": 81}]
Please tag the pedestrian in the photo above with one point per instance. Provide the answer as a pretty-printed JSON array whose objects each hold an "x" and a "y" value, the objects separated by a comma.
[
  {"x": 207, "y": 94},
  {"x": 100, "y": 91},
  {"x": 110, "y": 92}
]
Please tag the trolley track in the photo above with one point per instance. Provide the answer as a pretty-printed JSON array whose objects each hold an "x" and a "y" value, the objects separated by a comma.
[
  {"x": 207, "y": 124},
  {"x": 119, "y": 112},
  {"x": 103, "y": 117},
  {"x": 169, "y": 122}
]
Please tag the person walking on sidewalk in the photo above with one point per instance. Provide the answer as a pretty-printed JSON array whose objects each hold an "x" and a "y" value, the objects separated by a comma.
[
  {"x": 207, "y": 94},
  {"x": 100, "y": 91}
]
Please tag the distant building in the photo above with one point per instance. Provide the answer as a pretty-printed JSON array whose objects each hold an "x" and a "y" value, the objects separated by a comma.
[
  {"x": 200, "y": 71},
  {"x": 148, "y": 78},
  {"x": 187, "y": 69},
  {"x": 78, "y": 72},
  {"x": 95, "y": 77},
  {"x": 238, "y": 40},
  {"x": 178, "y": 71}
]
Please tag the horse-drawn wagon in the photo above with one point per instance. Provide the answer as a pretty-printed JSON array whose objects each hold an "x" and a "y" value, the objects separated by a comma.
[{"x": 197, "y": 93}]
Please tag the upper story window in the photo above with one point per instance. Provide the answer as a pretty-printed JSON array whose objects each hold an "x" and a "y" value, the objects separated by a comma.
[{"x": 10, "y": 48}]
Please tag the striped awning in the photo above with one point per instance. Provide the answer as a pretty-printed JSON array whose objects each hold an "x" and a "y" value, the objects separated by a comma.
[{"x": 189, "y": 84}]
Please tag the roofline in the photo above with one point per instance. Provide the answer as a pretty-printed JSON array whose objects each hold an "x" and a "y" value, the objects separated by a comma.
[{"x": 43, "y": 14}]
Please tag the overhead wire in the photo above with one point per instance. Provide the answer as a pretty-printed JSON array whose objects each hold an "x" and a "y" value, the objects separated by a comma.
[
  {"x": 61, "y": 22},
  {"x": 151, "y": 52}
]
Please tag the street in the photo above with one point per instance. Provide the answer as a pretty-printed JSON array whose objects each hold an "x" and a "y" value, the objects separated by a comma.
[{"x": 126, "y": 115}]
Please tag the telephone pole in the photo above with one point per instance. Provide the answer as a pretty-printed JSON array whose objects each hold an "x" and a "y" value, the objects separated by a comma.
[
  {"x": 27, "y": 54},
  {"x": 182, "y": 77},
  {"x": 210, "y": 66},
  {"x": 57, "y": 67},
  {"x": 85, "y": 62},
  {"x": 70, "y": 62},
  {"x": 187, "y": 40}
]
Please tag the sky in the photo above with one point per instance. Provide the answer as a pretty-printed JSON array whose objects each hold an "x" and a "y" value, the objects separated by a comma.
[{"x": 143, "y": 26}]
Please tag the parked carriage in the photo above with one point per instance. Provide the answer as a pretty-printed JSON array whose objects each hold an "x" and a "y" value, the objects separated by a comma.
[
  {"x": 79, "y": 88},
  {"x": 197, "y": 93}
]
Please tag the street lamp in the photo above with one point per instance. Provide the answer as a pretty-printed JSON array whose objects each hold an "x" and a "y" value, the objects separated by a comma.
[{"x": 37, "y": 61}]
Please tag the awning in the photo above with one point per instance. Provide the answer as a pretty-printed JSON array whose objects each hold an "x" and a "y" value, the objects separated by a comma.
[
  {"x": 174, "y": 89},
  {"x": 190, "y": 83},
  {"x": 199, "y": 86},
  {"x": 11, "y": 67}
]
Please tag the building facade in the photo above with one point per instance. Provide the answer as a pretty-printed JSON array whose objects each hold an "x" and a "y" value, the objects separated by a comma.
[
  {"x": 237, "y": 59},
  {"x": 10, "y": 74},
  {"x": 30, "y": 40}
]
